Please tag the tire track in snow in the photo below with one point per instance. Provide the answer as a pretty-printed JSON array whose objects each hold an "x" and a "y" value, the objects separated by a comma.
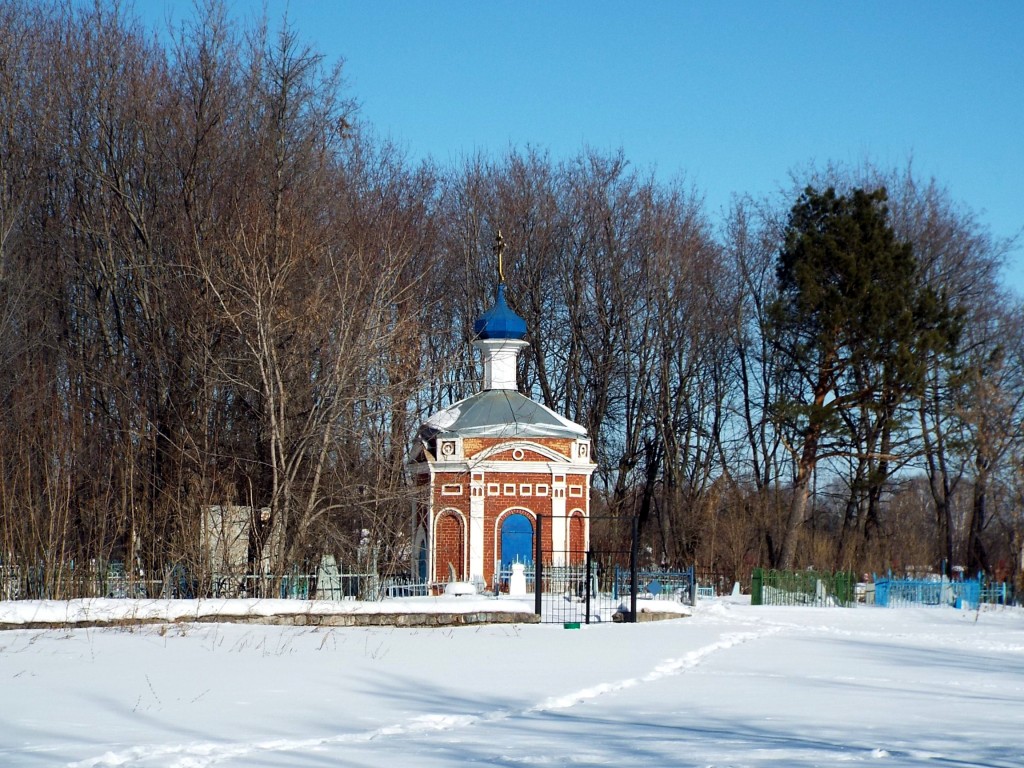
[{"x": 202, "y": 755}]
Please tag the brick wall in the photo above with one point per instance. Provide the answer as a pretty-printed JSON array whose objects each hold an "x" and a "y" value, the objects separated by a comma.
[
  {"x": 450, "y": 547},
  {"x": 474, "y": 445},
  {"x": 577, "y": 538},
  {"x": 529, "y": 490}
]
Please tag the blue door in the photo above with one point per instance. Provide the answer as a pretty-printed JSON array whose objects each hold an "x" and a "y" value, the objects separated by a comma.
[
  {"x": 421, "y": 562},
  {"x": 516, "y": 540}
]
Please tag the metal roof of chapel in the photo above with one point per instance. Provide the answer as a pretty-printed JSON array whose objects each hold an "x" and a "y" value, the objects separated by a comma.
[{"x": 499, "y": 413}]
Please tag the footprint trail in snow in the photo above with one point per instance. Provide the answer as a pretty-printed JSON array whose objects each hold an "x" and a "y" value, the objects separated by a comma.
[{"x": 202, "y": 755}]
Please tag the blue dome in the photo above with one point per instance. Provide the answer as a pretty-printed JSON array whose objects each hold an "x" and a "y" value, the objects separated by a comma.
[{"x": 500, "y": 322}]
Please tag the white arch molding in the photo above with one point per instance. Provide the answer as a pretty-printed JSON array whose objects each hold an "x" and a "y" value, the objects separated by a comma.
[{"x": 498, "y": 520}]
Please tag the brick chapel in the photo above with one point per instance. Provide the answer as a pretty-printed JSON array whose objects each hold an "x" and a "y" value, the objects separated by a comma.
[{"x": 495, "y": 463}]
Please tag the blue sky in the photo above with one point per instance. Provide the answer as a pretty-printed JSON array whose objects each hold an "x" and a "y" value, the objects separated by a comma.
[{"x": 731, "y": 96}]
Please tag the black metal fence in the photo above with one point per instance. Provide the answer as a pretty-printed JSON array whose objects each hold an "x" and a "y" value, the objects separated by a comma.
[
  {"x": 575, "y": 586},
  {"x": 572, "y": 585},
  {"x": 112, "y": 580}
]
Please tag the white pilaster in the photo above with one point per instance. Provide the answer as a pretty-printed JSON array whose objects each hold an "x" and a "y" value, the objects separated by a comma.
[
  {"x": 558, "y": 521},
  {"x": 476, "y": 530}
]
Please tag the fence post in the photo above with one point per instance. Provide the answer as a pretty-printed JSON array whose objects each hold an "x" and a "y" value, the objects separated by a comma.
[
  {"x": 634, "y": 555},
  {"x": 756, "y": 585},
  {"x": 538, "y": 567},
  {"x": 844, "y": 587},
  {"x": 586, "y": 600}
]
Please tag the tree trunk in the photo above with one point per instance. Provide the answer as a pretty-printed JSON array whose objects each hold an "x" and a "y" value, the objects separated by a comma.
[
  {"x": 797, "y": 510},
  {"x": 977, "y": 558}
]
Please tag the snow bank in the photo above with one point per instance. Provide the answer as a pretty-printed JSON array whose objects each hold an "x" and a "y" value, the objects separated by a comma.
[{"x": 104, "y": 610}]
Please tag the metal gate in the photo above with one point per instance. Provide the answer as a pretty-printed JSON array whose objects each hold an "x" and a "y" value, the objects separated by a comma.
[
  {"x": 584, "y": 587},
  {"x": 601, "y": 583}
]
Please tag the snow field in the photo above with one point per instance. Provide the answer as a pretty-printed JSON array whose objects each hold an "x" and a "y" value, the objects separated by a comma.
[{"x": 731, "y": 686}]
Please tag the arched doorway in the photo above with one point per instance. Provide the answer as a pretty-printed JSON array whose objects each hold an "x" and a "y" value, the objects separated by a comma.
[{"x": 516, "y": 540}]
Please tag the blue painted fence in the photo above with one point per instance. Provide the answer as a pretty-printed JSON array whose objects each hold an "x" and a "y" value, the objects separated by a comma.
[{"x": 891, "y": 592}]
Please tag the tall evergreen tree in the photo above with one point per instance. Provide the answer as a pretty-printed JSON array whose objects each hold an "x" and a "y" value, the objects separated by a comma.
[{"x": 853, "y": 323}]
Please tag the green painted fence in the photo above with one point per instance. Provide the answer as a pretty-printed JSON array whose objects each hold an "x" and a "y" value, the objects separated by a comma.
[{"x": 771, "y": 587}]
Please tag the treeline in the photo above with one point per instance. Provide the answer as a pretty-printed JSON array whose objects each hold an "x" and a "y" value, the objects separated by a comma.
[{"x": 217, "y": 286}]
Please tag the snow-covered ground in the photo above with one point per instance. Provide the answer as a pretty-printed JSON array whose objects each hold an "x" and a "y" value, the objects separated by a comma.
[{"x": 732, "y": 685}]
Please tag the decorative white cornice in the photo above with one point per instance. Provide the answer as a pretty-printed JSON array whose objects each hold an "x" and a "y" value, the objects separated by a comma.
[{"x": 507, "y": 467}]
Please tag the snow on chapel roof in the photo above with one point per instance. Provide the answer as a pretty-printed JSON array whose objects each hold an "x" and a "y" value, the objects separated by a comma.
[{"x": 499, "y": 413}]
